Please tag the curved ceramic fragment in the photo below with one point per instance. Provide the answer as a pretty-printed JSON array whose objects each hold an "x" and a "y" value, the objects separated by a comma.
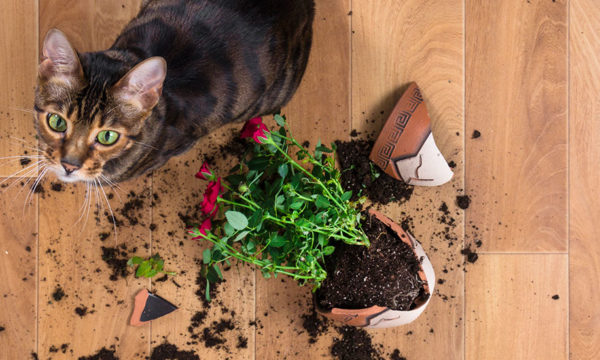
[
  {"x": 149, "y": 307},
  {"x": 405, "y": 148},
  {"x": 383, "y": 317}
]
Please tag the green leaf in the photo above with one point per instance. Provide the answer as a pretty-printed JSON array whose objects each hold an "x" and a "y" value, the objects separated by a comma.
[
  {"x": 324, "y": 148},
  {"x": 236, "y": 219},
  {"x": 250, "y": 247},
  {"x": 297, "y": 204},
  {"x": 229, "y": 230},
  {"x": 143, "y": 269},
  {"x": 280, "y": 120},
  {"x": 206, "y": 256},
  {"x": 347, "y": 195},
  {"x": 207, "y": 290},
  {"x": 322, "y": 202},
  {"x": 241, "y": 235},
  {"x": 151, "y": 273},
  {"x": 278, "y": 241},
  {"x": 255, "y": 219},
  {"x": 328, "y": 250},
  {"x": 283, "y": 170},
  {"x": 136, "y": 260},
  {"x": 218, "y": 271}
]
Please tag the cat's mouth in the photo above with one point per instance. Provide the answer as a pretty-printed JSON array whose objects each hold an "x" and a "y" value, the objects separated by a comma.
[{"x": 72, "y": 177}]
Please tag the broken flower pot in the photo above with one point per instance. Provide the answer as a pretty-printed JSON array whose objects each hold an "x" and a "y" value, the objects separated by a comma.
[
  {"x": 382, "y": 316},
  {"x": 148, "y": 307},
  {"x": 405, "y": 148}
]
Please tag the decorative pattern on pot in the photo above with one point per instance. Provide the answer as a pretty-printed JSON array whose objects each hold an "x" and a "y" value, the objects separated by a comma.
[
  {"x": 405, "y": 148},
  {"x": 383, "y": 317}
]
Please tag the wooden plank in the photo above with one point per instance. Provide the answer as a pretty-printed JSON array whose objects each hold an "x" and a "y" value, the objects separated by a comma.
[
  {"x": 18, "y": 289},
  {"x": 72, "y": 256},
  {"x": 318, "y": 111},
  {"x": 510, "y": 310},
  {"x": 516, "y": 96},
  {"x": 584, "y": 210},
  {"x": 178, "y": 194},
  {"x": 18, "y": 71},
  {"x": 394, "y": 43}
]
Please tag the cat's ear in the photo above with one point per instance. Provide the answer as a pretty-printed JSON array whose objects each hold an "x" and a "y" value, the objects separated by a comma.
[
  {"x": 60, "y": 61},
  {"x": 142, "y": 85}
]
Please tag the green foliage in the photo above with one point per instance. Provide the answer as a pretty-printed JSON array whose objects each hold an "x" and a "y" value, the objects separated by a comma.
[
  {"x": 283, "y": 215},
  {"x": 148, "y": 267}
]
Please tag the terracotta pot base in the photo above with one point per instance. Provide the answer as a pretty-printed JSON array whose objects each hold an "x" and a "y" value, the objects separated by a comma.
[{"x": 383, "y": 317}]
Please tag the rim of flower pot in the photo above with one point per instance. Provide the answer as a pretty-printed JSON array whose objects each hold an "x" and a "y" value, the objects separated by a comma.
[
  {"x": 379, "y": 316},
  {"x": 405, "y": 148}
]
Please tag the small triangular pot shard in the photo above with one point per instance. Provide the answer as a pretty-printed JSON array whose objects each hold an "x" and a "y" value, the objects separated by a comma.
[
  {"x": 405, "y": 148},
  {"x": 149, "y": 307}
]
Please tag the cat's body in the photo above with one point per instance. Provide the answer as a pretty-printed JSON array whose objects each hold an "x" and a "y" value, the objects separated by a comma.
[{"x": 226, "y": 60}]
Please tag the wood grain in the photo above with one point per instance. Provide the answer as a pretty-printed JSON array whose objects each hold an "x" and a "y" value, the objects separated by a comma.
[
  {"x": 394, "y": 43},
  {"x": 510, "y": 311},
  {"x": 71, "y": 255},
  {"x": 318, "y": 111},
  {"x": 18, "y": 271},
  {"x": 516, "y": 96},
  {"x": 584, "y": 258},
  {"x": 18, "y": 71}
]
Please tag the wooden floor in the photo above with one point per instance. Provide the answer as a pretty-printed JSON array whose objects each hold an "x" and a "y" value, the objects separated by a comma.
[{"x": 525, "y": 73}]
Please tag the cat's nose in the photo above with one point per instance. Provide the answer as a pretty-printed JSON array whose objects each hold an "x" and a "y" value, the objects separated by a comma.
[{"x": 69, "y": 166}]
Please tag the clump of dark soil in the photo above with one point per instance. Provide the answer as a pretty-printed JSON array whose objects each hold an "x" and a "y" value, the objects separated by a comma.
[
  {"x": 103, "y": 236},
  {"x": 167, "y": 351},
  {"x": 361, "y": 176},
  {"x": 242, "y": 342},
  {"x": 555, "y": 297},
  {"x": 131, "y": 207},
  {"x": 102, "y": 354},
  {"x": 24, "y": 161},
  {"x": 354, "y": 344},
  {"x": 56, "y": 187},
  {"x": 470, "y": 254},
  {"x": 396, "y": 355},
  {"x": 463, "y": 201},
  {"x": 476, "y": 134},
  {"x": 2, "y": 328},
  {"x": 58, "y": 293},
  {"x": 116, "y": 259},
  {"x": 383, "y": 274},
  {"x": 315, "y": 325},
  {"x": 213, "y": 335},
  {"x": 81, "y": 311}
]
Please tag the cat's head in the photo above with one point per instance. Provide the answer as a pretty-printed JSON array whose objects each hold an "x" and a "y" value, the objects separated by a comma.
[{"x": 87, "y": 117}]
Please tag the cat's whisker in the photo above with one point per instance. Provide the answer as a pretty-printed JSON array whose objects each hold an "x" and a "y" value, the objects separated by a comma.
[
  {"x": 85, "y": 196},
  {"x": 21, "y": 171},
  {"x": 113, "y": 186},
  {"x": 33, "y": 191},
  {"x": 112, "y": 215},
  {"x": 89, "y": 205},
  {"x": 28, "y": 175},
  {"x": 146, "y": 145},
  {"x": 24, "y": 110},
  {"x": 35, "y": 185}
]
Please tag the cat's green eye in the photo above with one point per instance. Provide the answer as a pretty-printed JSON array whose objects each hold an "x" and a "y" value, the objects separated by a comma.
[
  {"x": 107, "y": 137},
  {"x": 56, "y": 122}
]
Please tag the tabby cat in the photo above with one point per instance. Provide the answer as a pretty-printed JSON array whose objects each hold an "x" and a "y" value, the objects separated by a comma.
[{"x": 179, "y": 69}]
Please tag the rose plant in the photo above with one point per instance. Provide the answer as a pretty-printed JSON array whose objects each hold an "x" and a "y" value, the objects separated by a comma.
[{"x": 281, "y": 209}]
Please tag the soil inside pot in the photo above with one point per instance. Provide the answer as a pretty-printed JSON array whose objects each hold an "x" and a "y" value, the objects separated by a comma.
[{"x": 384, "y": 274}]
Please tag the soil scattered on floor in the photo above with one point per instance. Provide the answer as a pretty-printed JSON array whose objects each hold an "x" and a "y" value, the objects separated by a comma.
[
  {"x": 463, "y": 201},
  {"x": 476, "y": 134},
  {"x": 56, "y": 187},
  {"x": 24, "y": 161},
  {"x": 81, "y": 311},
  {"x": 58, "y": 293},
  {"x": 116, "y": 259},
  {"x": 396, "y": 355},
  {"x": 2, "y": 328},
  {"x": 555, "y": 297},
  {"x": 383, "y": 274},
  {"x": 355, "y": 344},
  {"x": 361, "y": 176},
  {"x": 167, "y": 351},
  {"x": 470, "y": 254},
  {"x": 315, "y": 325},
  {"x": 102, "y": 354},
  {"x": 131, "y": 207}
]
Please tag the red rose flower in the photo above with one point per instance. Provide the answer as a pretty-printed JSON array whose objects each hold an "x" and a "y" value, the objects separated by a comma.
[
  {"x": 205, "y": 173},
  {"x": 206, "y": 225},
  {"x": 255, "y": 129},
  {"x": 209, "y": 203}
]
